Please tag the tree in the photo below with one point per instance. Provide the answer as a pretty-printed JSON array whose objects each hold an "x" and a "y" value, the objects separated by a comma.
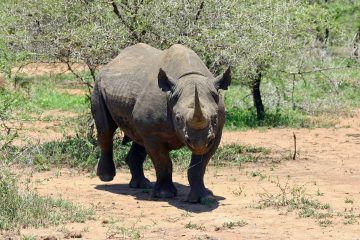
[{"x": 254, "y": 37}]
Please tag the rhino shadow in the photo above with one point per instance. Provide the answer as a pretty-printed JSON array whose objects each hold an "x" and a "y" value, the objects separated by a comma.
[{"x": 178, "y": 201}]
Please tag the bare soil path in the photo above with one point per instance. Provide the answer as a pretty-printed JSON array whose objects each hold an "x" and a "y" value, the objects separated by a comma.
[{"x": 327, "y": 167}]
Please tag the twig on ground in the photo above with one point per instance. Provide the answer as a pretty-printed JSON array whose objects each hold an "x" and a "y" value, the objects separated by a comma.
[{"x": 294, "y": 156}]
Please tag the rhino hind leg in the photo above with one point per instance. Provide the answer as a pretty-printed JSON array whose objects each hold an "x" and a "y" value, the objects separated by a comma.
[
  {"x": 164, "y": 186},
  {"x": 106, "y": 170},
  {"x": 106, "y": 127},
  {"x": 135, "y": 159}
]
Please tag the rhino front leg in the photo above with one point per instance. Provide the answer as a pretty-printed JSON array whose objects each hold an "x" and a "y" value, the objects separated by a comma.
[
  {"x": 196, "y": 171},
  {"x": 135, "y": 160},
  {"x": 164, "y": 186},
  {"x": 198, "y": 192}
]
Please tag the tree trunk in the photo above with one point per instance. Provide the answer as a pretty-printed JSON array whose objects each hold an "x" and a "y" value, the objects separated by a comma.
[
  {"x": 257, "y": 97},
  {"x": 356, "y": 45}
]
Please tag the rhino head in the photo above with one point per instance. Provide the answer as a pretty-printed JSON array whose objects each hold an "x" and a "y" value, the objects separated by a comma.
[{"x": 195, "y": 104}]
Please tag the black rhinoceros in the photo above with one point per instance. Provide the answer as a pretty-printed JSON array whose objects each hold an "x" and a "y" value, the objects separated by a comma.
[{"x": 161, "y": 100}]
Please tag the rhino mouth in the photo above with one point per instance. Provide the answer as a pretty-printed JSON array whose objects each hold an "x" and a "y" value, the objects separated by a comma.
[{"x": 199, "y": 150}]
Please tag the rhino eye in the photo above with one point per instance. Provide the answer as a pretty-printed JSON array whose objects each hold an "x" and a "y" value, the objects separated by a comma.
[{"x": 178, "y": 119}]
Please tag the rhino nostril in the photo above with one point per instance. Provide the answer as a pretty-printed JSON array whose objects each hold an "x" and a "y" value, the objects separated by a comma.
[
  {"x": 210, "y": 142},
  {"x": 187, "y": 140}
]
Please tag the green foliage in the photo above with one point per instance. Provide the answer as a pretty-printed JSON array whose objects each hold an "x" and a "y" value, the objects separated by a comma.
[
  {"x": 22, "y": 209},
  {"x": 296, "y": 198},
  {"x": 237, "y": 154},
  {"x": 243, "y": 119},
  {"x": 9, "y": 58},
  {"x": 224, "y": 156},
  {"x": 47, "y": 98},
  {"x": 77, "y": 152},
  {"x": 230, "y": 225},
  {"x": 223, "y": 33},
  {"x": 345, "y": 18},
  {"x": 36, "y": 95},
  {"x": 81, "y": 153},
  {"x": 264, "y": 37},
  {"x": 80, "y": 30}
]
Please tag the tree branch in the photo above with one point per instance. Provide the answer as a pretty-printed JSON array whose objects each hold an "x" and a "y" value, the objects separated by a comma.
[
  {"x": 78, "y": 76},
  {"x": 318, "y": 70},
  {"x": 126, "y": 24},
  {"x": 199, "y": 11}
]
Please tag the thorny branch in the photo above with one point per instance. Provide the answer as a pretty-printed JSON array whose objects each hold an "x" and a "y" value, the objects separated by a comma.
[
  {"x": 199, "y": 11},
  {"x": 89, "y": 86},
  {"x": 126, "y": 24},
  {"x": 319, "y": 70}
]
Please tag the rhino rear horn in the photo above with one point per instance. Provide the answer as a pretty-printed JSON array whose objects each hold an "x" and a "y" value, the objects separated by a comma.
[
  {"x": 223, "y": 81},
  {"x": 166, "y": 83}
]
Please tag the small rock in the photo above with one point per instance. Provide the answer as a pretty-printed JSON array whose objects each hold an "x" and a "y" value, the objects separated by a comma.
[
  {"x": 48, "y": 238},
  {"x": 75, "y": 234},
  {"x": 105, "y": 221},
  {"x": 8, "y": 237}
]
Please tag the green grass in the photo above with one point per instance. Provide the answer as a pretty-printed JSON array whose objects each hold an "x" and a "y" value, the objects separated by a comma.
[
  {"x": 349, "y": 200},
  {"x": 82, "y": 153},
  {"x": 315, "y": 95},
  {"x": 22, "y": 208},
  {"x": 231, "y": 225},
  {"x": 46, "y": 98},
  {"x": 195, "y": 226},
  {"x": 321, "y": 95},
  {"x": 76, "y": 152},
  {"x": 114, "y": 230},
  {"x": 227, "y": 155},
  {"x": 244, "y": 119},
  {"x": 295, "y": 198},
  {"x": 37, "y": 95}
]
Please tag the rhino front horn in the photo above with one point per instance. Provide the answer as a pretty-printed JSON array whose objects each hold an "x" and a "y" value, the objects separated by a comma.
[{"x": 198, "y": 120}]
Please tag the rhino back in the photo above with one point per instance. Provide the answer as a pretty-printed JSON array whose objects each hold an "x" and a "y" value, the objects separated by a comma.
[
  {"x": 123, "y": 79},
  {"x": 179, "y": 60}
]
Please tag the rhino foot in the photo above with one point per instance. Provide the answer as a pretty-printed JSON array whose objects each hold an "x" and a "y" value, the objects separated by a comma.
[
  {"x": 142, "y": 183},
  {"x": 204, "y": 196},
  {"x": 106, "y": 174},
  {"x": 165, "y": 190},
  {"x": 106, "y": 177}
]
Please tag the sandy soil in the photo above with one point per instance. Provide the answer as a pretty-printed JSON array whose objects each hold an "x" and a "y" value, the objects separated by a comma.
[
  {"x": 327, "y": 166},
  {"x": 39, "y": 129},
  {"x": 38, "y": 69}
]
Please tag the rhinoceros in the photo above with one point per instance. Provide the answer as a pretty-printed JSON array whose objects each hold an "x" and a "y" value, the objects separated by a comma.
[{"x": 162, "y": 100}]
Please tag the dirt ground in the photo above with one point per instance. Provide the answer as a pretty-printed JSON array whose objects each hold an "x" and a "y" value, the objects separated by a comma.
[
  {"x": 51, "y": 68},
  {"x": 327, "y": 167}
]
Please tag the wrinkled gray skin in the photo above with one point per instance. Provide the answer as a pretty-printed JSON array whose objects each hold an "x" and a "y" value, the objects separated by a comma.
[{"x": 162, "y": 100}]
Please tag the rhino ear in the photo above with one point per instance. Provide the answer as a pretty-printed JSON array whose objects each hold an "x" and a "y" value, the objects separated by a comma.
[
  {"x": 165, "y": 83},
  {"x": 223, "y": 81}
]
